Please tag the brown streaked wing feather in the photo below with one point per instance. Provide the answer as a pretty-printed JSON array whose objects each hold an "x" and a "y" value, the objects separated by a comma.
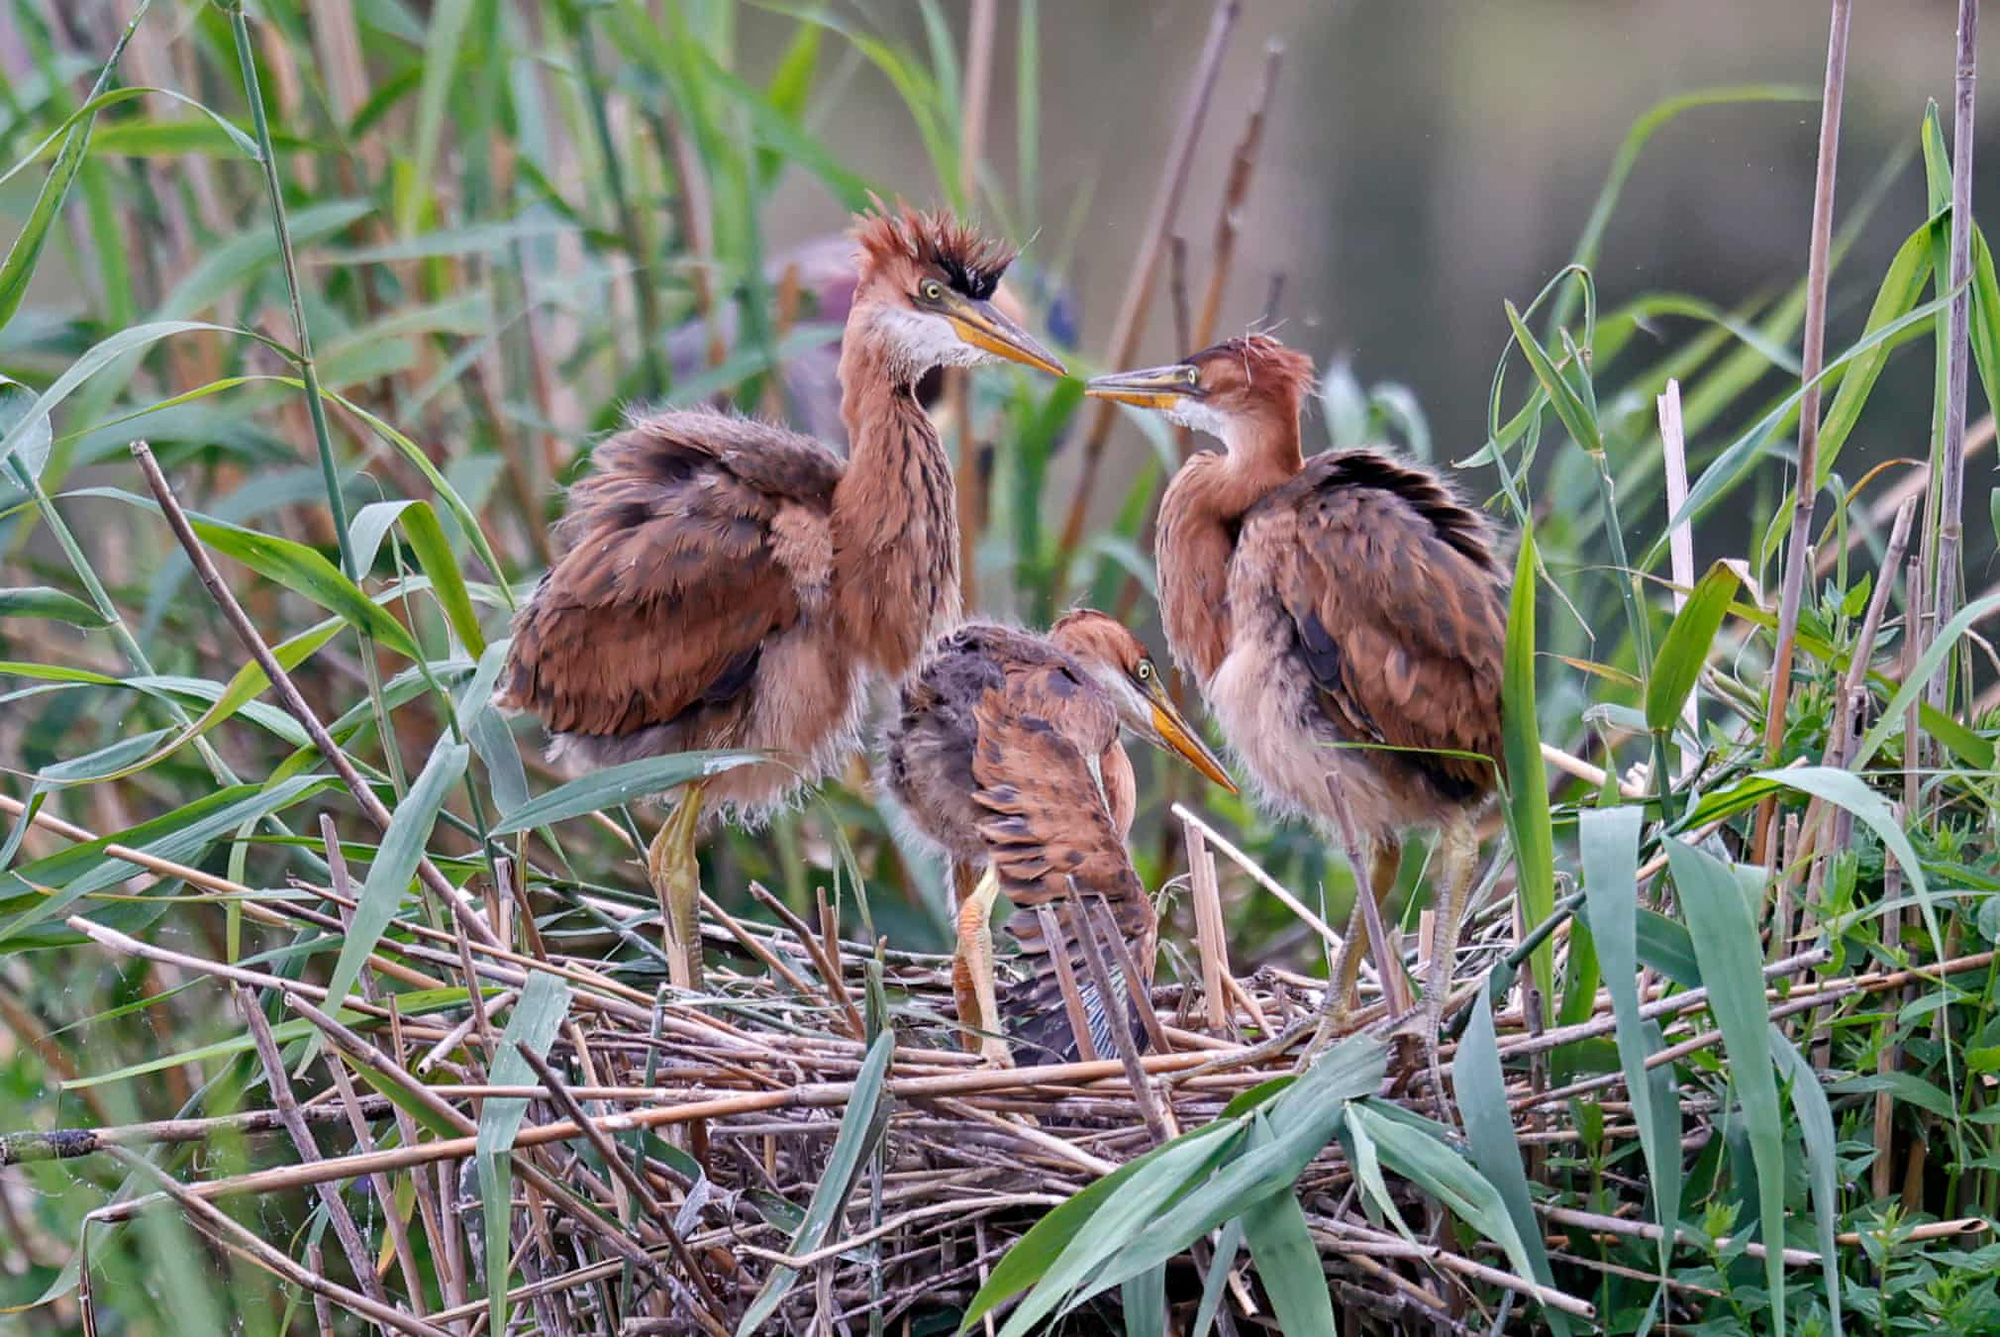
[
  {"x": 674, "y": 575},
  {"x": 1047, "y": 816},
  {"x": 1400, "y": 607},
  {"x": 1047, "y": 825}
]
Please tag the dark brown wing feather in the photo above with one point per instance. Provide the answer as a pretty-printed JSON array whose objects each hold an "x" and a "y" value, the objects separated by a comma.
[
  {"x": 1400, "y": 607},
  {"x": 928, "y": 749},
  {"x": 1048, "y": 824},
  {"x": 673, "y": 576}
]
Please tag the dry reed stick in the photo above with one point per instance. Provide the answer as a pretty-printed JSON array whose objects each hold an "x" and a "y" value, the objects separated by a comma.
[
  {"x": 288, "y": 692},
  {"x": 220, "y": 1227},
  {"x": 1264, "y": 879},
  {"x": 1121, "y": 1025},
  {"x": 287, "y": 1103},
  {"x": 1806, "y": 488},
  {"x": 1210, "y": 938},
  {"x": 1146, "y": 259},
  {"x": 635, "y": 1184},
  {"x": 1945, "y": 573}
]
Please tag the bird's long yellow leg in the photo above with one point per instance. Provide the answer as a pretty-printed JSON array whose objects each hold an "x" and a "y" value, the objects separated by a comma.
[
  {"x": 1458, "y": 857},
  {"x": 1382, "y": 861},
  {"x": 675, "y": 870},
  {"x": 972, "y": 973}
]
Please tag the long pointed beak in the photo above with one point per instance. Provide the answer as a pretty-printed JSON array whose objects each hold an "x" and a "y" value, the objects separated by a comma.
[
  {"x": 982, "y": 325},
  {"x": 1148, "y": 387},
  {"x": 1172, "y": 733}
]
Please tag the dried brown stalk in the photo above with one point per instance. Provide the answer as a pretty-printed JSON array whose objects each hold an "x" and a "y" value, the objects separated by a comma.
[
  {"x": 1945, "y": 573},
  {"x": 288, "y": 693},
  {"x": 218, "y": 1225},
  {"x": 1146, "y": 260},
  {"x": 1806, "y": 485},
  {"x": 280, "y": 1086}
]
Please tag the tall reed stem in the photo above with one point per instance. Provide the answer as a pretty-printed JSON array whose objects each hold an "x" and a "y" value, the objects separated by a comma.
[
  {"x": 1812, "y": 360},
  {"x": 1951, "y": 496}
]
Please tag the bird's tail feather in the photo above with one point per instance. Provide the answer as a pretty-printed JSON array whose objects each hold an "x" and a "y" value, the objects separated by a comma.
[{"x": 1043, "y": 1026}]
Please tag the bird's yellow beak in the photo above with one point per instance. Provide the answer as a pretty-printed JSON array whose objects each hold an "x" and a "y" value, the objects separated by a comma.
[
  {"x": 1172, "y": 733},
  {"x": 982, "y": 325},
  {"x": 1147, "y": 388}
]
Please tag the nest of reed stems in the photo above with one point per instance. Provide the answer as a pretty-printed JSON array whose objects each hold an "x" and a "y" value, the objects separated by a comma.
[{"x": 755, "y": 1157}]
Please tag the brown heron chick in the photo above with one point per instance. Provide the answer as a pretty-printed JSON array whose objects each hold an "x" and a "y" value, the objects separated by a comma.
[
  {"x": 1345, "y": 616},
  {"x": 1007, "y": 755},
  {"x": 730, "y": 584}
]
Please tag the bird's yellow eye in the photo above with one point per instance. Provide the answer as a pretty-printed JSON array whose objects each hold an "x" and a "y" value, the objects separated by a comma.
[
  {"x": 1192, "y": 375},
  {"x": 1145, "y": 670},
  {"x": 932, "y": 290}
]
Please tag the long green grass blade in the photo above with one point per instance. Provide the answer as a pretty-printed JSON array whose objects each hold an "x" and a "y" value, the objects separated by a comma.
[
  {"x": 1726, "y": 942},
  {"x": 620, "y": 784},
  {"x": 1031, "y": 1257},
  {"x": 1481, "y": 1088},
  {"x": 1527, "y": 780},
  {"x": 1816, "y": 1131},
  {"x": 537, "y": 1015},
  {"x": 1289, "y": 1264},
  {"x": 396, "y": 861},
  {"x": 1443, "y": 1173},
  {"x": 1608, "y": 848},
  {"x": 46, "y": 889},
  {"x": 22, "y": 257},
  {"x": 41, "y": 601},
  {"x": 1684, "y": 651}
]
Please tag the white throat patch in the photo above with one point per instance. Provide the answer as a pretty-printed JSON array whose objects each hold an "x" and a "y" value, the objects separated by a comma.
[
  {"x": 1199, "y": 416},
  {"x": 923, "y": 340}
]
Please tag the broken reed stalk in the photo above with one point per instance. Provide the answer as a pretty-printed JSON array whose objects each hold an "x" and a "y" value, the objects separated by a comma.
[
  {"x": 1806, "y": 485},
  {"x": 1079, "y": 1021},
  {"x": 1210, "y": 938},
  {"x": 1264, "y": 879},
  {"x": 288, "y": 693},
  {"x": 1680, "y": 539},
  {"x": 1121, "y": 1025},
  {"x": 1951, "y": 492},
  {"x": 1146, "y": 260},
  {"x": 69, "y": 1143}
]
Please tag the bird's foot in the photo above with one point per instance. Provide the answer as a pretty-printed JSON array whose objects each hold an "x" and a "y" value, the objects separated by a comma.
[
  {"x": 994, "y": 1053},
  {"x": 1415, "y": 1037},
  {"x": 1333, "y": 1025}
]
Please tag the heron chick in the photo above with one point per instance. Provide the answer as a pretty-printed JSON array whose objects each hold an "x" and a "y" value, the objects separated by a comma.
[
  {"x": 1345, "y": 617},
  {"x": 729, "y": 584},
  {"x": 1006, "y": 754}
]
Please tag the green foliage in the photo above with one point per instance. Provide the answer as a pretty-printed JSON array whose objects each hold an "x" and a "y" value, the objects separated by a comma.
[{"x": 502, "y": 242}]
